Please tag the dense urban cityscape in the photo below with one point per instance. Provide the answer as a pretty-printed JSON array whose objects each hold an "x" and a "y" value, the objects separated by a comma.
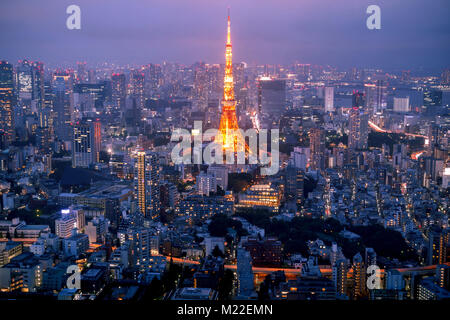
[{"x": 94, "y": 206}]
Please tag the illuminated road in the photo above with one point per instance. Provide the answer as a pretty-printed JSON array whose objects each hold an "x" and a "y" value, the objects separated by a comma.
[
  {"x": 416, "y": 155},
  {"x": 379, "y": 129},
  {"x": 325, "y": 270}
]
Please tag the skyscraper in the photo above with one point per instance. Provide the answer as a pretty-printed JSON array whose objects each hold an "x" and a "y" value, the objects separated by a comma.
[
  {"x": 38, "y": 93},
  {"x": 86, "y": 143},
  {"x": 90, "y": 97},
  {"x": 136, "y": 89},
  {"x": 119, "y": 92},
  {"x": 82, "y": 74},
  {"x": 329, "y": 99},
  {"x": 6, "y": 103},
  {"x": 376, "y": 96},
  {"x": 294, "y": 184},
  {"x": 358, "y": 100},
  {"x": 45, "y": 114},
  {"x": 358, "y": 129},
  {"x": 147, "y": 183},
  {"x": 271, "y": 97},
  {"x": 24, "y": 74},
  {"x": 63, "y": 104},
  {"x": 317, "y": 147},
  {"x": 401, "y": 104}
]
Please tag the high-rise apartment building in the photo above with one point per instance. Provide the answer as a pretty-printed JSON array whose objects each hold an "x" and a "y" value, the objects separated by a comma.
[
  {"x": 359, "y": 277},
  {"x": 139, "y": 240},
  {"x": 317, "y": 147},
  {"x": 146, "y": 177},
  {"x": 358, "y": 129},
  {"x": 340, "y": 276},
  {"x": 136, "y": 88},
  {"x": 244, "y": 273}
]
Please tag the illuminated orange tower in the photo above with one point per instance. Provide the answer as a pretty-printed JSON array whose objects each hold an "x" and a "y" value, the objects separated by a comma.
[{"x": 229, "y": 135}]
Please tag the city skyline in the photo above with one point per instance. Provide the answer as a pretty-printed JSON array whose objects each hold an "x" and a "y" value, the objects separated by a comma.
[
  {"x": 135, "y": 182},
  {"x": 325, "y": 32}
]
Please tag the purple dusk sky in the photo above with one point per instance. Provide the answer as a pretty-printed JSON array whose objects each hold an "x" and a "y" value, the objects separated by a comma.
[{"x": 414, "y": 33}]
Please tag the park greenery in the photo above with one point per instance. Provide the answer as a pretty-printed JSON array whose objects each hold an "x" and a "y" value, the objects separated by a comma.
[{"x": 295, "y": 234}]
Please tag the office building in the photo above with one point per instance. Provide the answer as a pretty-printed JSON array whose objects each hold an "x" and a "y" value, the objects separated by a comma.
[
  {"x": 260, "y": 196},
  {"x": 271, "y": 96},
  {"x": 7, "y": 127},
  {"x": 63, "y": 105},
  {"x": 119, "y": 93},
  {"x": 86, "y": 143},
  {"x": 401, "y": 104}
]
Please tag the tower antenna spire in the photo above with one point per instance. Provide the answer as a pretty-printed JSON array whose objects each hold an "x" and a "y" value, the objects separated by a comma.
[{"x": 229, "y": 28}]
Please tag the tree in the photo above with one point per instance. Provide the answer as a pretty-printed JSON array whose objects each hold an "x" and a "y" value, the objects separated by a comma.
[
  {"x": 154, "y": 290},
  {"x": 226, "y": 285},
  {"x": 239, "y": 181},
  {"x": 171, "y": 276},
  {"x": 217, "y": 252},
  {"x": 220, "y": 223},
  {"x": 263, "y": 292},
  {"x": 220, "y": 191}
]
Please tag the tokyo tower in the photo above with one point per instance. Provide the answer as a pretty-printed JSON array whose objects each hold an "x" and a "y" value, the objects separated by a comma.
[{"x": 229, "y": 135}]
